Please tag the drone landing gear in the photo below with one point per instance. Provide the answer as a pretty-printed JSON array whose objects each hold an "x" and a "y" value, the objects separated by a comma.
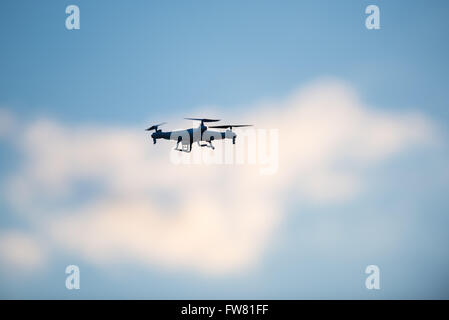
[
  {"x": 185, "y": 147},
  {"x": 207, "y": 145}
]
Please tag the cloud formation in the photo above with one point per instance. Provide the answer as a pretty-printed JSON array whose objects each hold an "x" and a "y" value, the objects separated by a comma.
[
  {"x": 20, "y": 251},
  {"x": 109, "y": 194}
]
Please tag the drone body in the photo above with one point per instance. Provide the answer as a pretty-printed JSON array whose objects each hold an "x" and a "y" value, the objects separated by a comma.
[{"x": 200, "y": 134}]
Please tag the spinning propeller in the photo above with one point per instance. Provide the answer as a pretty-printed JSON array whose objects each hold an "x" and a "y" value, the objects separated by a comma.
[
  {"x": 230, "y": 126},
  {"x": 155, "y": 126},
  {"x": 203, "y": 120}
]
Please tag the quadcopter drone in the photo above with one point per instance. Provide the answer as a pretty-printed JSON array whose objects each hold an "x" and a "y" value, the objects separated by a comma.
[{"x": 202, "y": 133}]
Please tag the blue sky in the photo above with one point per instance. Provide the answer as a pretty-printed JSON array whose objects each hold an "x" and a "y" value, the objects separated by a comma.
[
  {"x": 176, "y": 55},
  {"x": 132, "y": 63}
]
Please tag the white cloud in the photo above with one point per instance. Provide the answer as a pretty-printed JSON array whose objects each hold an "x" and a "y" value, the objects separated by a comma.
[
  {"x": 20, "y": 251},
  {"x": 328, "y": 137},
  {"x": 212, "y": 219}
]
